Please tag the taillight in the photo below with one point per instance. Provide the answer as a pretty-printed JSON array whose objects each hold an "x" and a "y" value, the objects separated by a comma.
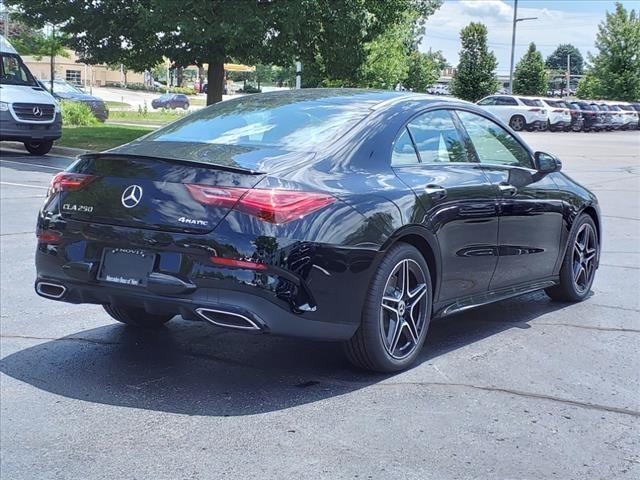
[
  {"x": 48, "y": 236},
  {"x": 270, "y": 205},
  {"x": 557, "y": 110},
  {"x": 534, "y": 109},
  {"x": 69, "y": 182},
  {"x": 230, "y": 262}
]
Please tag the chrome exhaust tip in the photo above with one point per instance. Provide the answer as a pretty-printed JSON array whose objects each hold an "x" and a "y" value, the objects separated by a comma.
[
  {"x": 51, "y": 290},
  {"x": 223, "y": 318}
]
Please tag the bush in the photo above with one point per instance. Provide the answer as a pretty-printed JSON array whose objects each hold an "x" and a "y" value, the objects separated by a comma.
[
  {"x": 77, "y": 114},
  {"x": 183, "y": 90}
]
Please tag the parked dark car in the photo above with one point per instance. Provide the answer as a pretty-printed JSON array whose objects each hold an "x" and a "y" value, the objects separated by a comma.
[
  {"x": 66, "y": 91},
  {"x": 171, "y": 100},
  {"x": 592, "y": 119},
  {"x": 606, "y": 116},
  {"x": 577, "y": 120},
  {"x": 336, "y": 214},
  {"x": 636, "y": 107}
]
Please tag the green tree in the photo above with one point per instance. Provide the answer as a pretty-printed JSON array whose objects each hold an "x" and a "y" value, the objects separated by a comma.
[
  {"x": 424, "y": 70},
  {"x": 475, "y": 76},
  {"x": 530, "y": 76},
  {"x": 139, "y": 33},
  {"x": 558, "y": 59},
  {"x": 614, "y": 72}
]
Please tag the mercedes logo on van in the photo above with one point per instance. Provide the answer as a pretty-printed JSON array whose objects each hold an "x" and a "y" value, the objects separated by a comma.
[
  {"x": 37, "y": 112},
  {"x": 131, "y": 196}
]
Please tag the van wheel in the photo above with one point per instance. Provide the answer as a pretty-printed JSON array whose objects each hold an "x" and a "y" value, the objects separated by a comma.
[
  {"x": 38, "y": 148},
  {"x": 136, "y": 317}
]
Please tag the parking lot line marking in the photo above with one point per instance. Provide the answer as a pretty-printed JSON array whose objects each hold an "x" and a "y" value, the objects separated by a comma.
[
  {"x": 23, "y": 185},
  {"x": 32, "y": 164}
]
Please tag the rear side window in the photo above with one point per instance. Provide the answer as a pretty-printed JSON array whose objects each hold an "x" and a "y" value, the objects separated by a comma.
[
  {"x": 494, "y": 144},
  {"x": 437, "y": 138},
  {"x": 403, "y": 151},
  {"x": 531, "y": 102},
  {"x": 506, "y": 101}
]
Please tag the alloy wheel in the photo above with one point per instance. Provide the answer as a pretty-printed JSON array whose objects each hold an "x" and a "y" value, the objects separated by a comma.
[
  {"x": 403, "y": 309},
  {"x": 585, "y": 250},
  {"x": 517, "y": 123}
]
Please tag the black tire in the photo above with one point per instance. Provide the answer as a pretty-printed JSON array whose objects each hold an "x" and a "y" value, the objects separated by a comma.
[
  {"x": 575, "y": 286},
  {"x": 517, "y": 123},
  {"x": 137, "y": 317},
  {"x": 369, "y": 348},
  {"x": 38, "y": 147}
]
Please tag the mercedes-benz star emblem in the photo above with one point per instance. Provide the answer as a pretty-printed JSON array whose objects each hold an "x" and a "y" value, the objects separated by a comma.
[
  {"x": 131, "y": 196},
  {"x": 37, "y": 112}
]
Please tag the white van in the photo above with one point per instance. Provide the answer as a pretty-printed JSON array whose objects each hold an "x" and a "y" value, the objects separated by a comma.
[{"x": 28, "y": 113}]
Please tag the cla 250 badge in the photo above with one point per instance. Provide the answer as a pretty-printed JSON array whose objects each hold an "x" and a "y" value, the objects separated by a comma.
[
  {"x": 191, "y": 221},
  {"x": 77, "y": 208}
]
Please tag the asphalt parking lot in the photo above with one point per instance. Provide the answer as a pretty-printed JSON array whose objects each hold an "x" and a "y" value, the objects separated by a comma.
[{"x": 523, "y": 389}]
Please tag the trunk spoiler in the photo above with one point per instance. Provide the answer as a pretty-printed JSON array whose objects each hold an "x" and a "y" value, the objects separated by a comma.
[{"x": 127, "y": 156}]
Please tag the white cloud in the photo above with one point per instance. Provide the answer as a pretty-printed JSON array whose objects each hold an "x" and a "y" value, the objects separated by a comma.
[{"x": 551, "y": 28}]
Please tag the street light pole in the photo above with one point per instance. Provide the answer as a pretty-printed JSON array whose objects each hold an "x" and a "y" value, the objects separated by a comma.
[{"x": 513, "y": 40}]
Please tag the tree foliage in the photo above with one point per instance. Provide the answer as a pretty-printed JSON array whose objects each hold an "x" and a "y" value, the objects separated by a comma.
[
  {"x": 475, "y": 76},
  {"x": 558, "y": 59},
  {"x": 29, "y": 40},
  {"x": 530, "y": 76},
  {"x": 331, "y": 34},
  {"x": 614, "y": 73},
  {"x": 424, "y": 70}
]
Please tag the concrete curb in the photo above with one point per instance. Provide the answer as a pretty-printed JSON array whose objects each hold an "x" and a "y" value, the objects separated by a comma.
[{"x": 55, "y": 150}]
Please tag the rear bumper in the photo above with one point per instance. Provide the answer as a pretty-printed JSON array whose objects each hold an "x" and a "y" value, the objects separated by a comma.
[
  {"x": 310, "y": 290},
  {"x": 12, "y": 130},
  {"x": 267, "y": 316}
]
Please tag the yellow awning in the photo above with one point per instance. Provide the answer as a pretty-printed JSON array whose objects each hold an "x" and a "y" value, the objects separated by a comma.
[{"x": 237, "y": 67}]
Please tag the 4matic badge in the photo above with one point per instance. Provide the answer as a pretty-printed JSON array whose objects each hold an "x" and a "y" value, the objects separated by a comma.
[{"x": 191, "y": 221}]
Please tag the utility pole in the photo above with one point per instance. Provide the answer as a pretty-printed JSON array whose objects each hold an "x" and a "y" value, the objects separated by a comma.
[
  {"x": 568, "y": 73},
  {"x": 513, "y": 40},
  {"x": 298, "y": 75},
  {"x": 53, "y": 55}
]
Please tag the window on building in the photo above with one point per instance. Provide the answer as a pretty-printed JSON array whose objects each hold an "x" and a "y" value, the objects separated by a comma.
[{"x": 74, "y": 76}]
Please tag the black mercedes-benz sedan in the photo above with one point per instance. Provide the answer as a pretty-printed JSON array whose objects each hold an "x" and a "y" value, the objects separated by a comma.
[{"x": 349, "y": 215}]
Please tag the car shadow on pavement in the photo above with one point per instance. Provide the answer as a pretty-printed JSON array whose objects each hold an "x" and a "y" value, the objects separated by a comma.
[{"x": 197, "y": 369}]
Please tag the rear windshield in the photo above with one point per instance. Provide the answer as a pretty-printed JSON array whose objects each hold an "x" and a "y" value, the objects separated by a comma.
[
  {"x": 14, "y": 72},
  {"x": 531, "y": 102},
  {"x": 556, "y": 103},
  {"x": 300, "y": 122}
]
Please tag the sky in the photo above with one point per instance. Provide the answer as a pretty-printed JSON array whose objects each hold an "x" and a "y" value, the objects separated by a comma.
[{"x": 559, "y": 21}]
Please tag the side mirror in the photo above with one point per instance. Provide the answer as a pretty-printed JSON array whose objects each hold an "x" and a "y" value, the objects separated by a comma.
[{"x": 547, "y": 163}]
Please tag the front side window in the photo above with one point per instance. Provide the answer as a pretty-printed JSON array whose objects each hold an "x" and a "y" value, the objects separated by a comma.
[
  {"x": 494, "y": 144},
  {"x": 13, "y": 72},
  {"x": 437, "y": 138}
]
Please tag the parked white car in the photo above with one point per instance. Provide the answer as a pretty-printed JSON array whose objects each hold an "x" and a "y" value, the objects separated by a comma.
[
  {"x": 628, "y": 113},
  {"x": 518, "y": 112},
  {"x": 558, "y": 115}
]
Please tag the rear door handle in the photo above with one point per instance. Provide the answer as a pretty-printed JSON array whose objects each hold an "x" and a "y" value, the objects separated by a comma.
[
  {"x": 436, "y": 191},
  {"x": 506, "y": 189}
]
